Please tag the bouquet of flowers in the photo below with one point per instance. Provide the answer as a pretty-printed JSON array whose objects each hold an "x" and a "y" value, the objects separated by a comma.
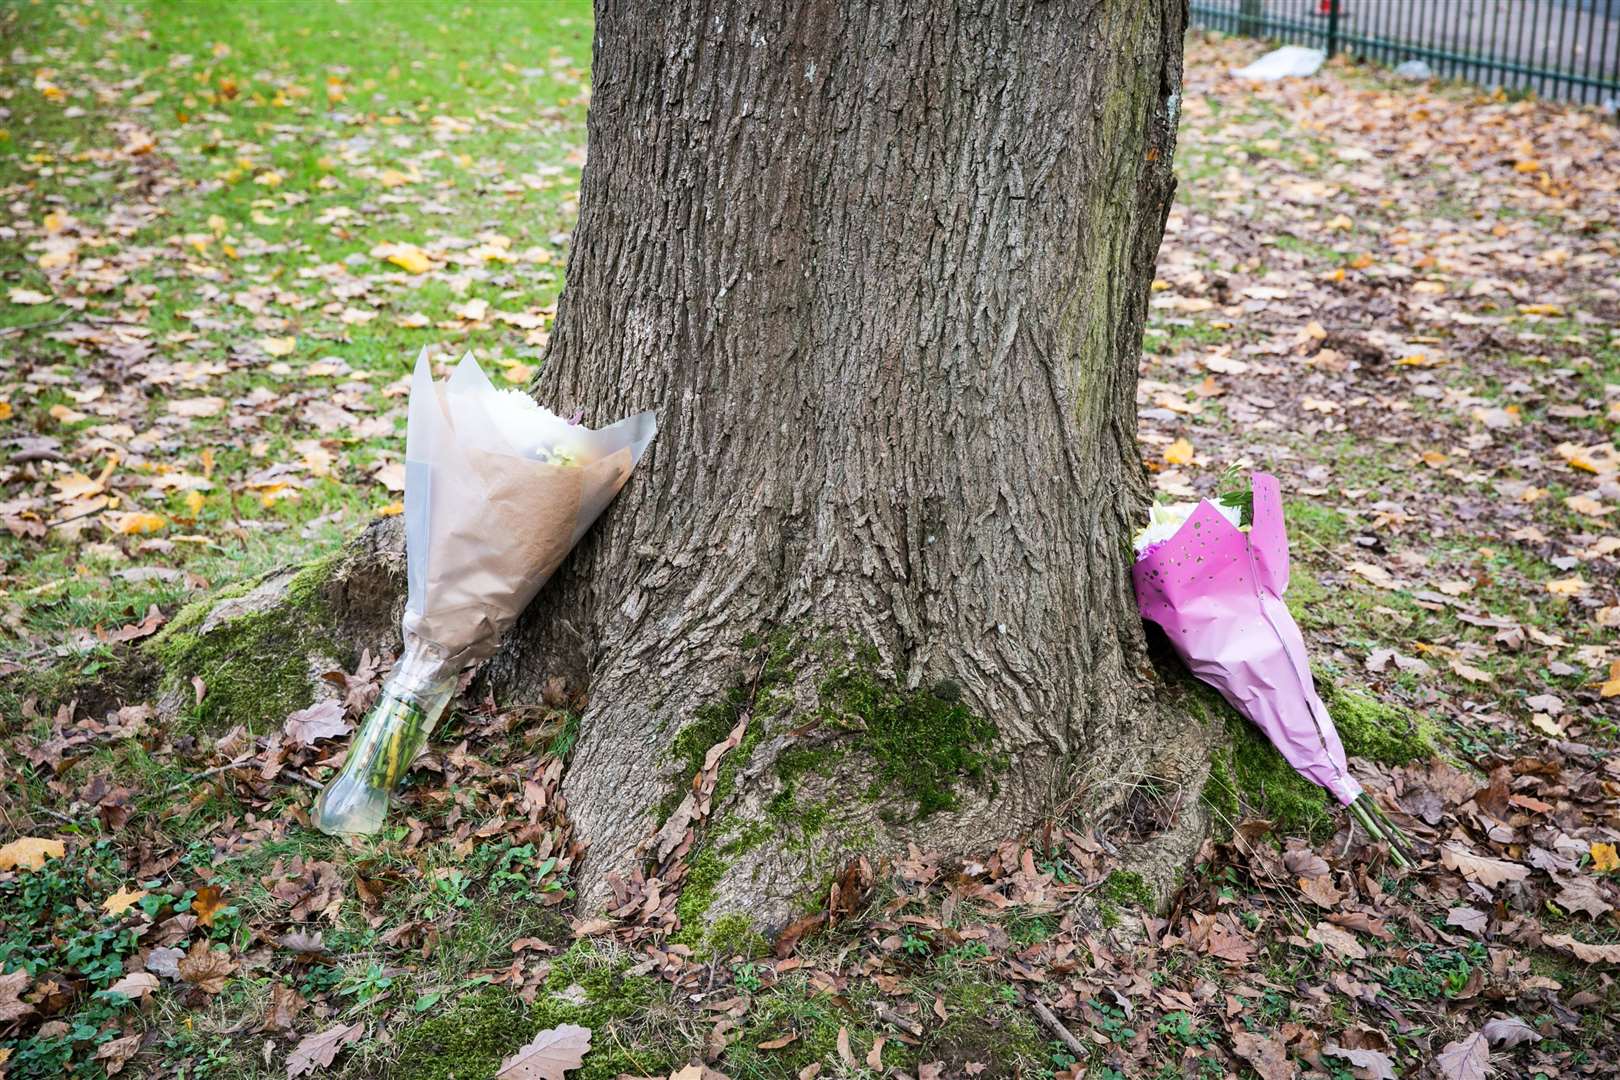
[
  {"x": 497, "y": 492},
  {"x": 1212, "y": 575}
]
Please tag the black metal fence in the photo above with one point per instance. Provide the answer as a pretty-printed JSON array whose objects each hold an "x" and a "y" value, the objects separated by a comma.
[{"x": 1567, "y": 49}]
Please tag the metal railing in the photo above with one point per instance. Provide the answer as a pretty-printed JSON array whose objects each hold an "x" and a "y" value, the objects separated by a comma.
[{"x": 1568, "y": 49}]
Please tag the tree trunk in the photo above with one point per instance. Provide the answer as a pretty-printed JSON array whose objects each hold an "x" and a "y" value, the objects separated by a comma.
[{"x": 882, "y": 271}]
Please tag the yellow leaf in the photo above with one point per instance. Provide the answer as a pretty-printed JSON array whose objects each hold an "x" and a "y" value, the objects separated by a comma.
[
  {"x": 408, "y": 257},
  {"x": 1527, "y": 165},
  {"x": 54, "y": 222},
  {"x": 1611, "y": 688},
  {"x": 1434, "y": 458},
  {"x": 518, "y": 373},
  {"x": 393, "y": 509},
  {"x": 30, "y": 853},
  {"x": 5, "y": 410},
  {"x": 1540, "y": 309},
  {"x": 1570, "y": 586},
  {"x": 1179, "y": 452},
  {"x": 278, "y": 346},
  {"x": 393, "y": 178},
  {"x": 1604, "y": 858},
  {"x": 122, "y": 900},
  {"x": 137, "y": 523},
  {"x": 194, "y": 502}
]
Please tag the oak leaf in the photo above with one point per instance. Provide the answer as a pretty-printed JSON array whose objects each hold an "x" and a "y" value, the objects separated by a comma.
[
  {"x": 1266, "y": 1056},
  {"x": 1488, "y": 872},
  {"x": 317, "y": 1051},
  {"x": 548, "y": 1055},
  {"x": 322, "y": 720},
  {"x": 1465, "y": 1059}
]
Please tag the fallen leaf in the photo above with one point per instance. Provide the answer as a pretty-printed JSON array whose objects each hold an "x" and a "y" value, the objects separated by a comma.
[
  {"x": 165, "y": 961},
  {"x": 122, "y": 900},
  {"x": 30, "y": 853},
  {"x": 1465, "y": 1059},
  {"x": 1488, "y": 872},
  {"x": 114, "y": 1054},
  {"x": 1266, "y": 1056},
  {"x": 1337, "y": 939},
  {"x": 1592, "y": 954},
  {"x": 322, "y": 720},
  {"x": 548, "y": 1055},
  {"x": 12, "y": 984},
  {"x": 135, "y": 985},
  {"x": 1179, "y": 452},
  {"x": 1508, "y": 1032},
  {"x": 206, "y": 968},
  {"x": 208, "y": 902},
  {"x": 1582, "y": 895},
  {"x": 28, "y": 297},
  {"x": 1374, "y": 573},
  {"x": 278, "y": 346},
  {"x": 1604, "y": 858},
  {"x": 195, "y": 407},
  {"x": 408, "y": 257},
  {"x": 317, "y": 1051},
  {"x": 1468, "y": 918},
  {"x": 1378, "y": 1065},
  {"x": 1570, "y": 586},
  {"x": 137, "y": 523}
]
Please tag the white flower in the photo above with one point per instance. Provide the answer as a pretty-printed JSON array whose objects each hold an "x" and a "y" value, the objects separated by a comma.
[
  {"x": 1166, "y": 519},
  {"x": 530, "y": 428}
]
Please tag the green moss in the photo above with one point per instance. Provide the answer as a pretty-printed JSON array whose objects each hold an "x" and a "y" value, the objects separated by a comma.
[
  {"x": 704, "y": 868},
  {"x": 254, "y": 667},
  {"x": 793, "y": 1006},
  {"x": 985, "y": 1023},
  {"x": 920, "y": 742},
  {"x": 1249, "y": 773},
  {"x": 1128, "y": 888},
  {"x": 734, "y": 935},
  {"x": 1371, "y": 729},
  {"x": 584, "y": 987}
]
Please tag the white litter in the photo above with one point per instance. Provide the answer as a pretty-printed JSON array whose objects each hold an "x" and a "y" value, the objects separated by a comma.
[
  {"x": 1414, "y": 69},
  {"x": 1290, "y": 61}
]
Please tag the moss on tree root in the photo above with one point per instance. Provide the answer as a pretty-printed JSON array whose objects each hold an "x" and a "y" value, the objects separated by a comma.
[
  {"x": 640, "y": 1028},
  {"x": 1249, "y": 775},
  {"x": 914, "y": 747},
  {"x": 255, "y": 665}
]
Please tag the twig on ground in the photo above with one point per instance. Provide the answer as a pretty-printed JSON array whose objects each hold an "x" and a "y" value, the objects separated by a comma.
[
  {"x": 904, "y": 1023},
  {"x": 1055, "y": 1026}
]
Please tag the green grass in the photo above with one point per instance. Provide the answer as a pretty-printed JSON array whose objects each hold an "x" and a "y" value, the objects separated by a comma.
[{"x": 481, "y": 107}]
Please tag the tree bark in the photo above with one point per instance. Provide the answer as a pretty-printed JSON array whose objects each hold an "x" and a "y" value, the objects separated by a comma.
[{"x": 882, "y": 270}]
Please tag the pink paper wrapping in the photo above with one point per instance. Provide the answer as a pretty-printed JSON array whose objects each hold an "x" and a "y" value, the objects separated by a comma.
[{"x": 1217, "y": 593}]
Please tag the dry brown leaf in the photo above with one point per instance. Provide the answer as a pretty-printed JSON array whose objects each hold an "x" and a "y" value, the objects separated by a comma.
[
  {"x": 12, "y": 984},
  {"x": 1266, "y": 1056},
  {"x": 317, "y": 1051},
  {"x": 1488, "y": 872},
  {"x": 115, "y": 1053},
  {"x": 1466, "y": 1059},
  {"x": 205, "y": 968},
  {"x": 1592, "y": 954},
  {"x": 548, "y": 1055},
  {"x": 322, "y": 720}
]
